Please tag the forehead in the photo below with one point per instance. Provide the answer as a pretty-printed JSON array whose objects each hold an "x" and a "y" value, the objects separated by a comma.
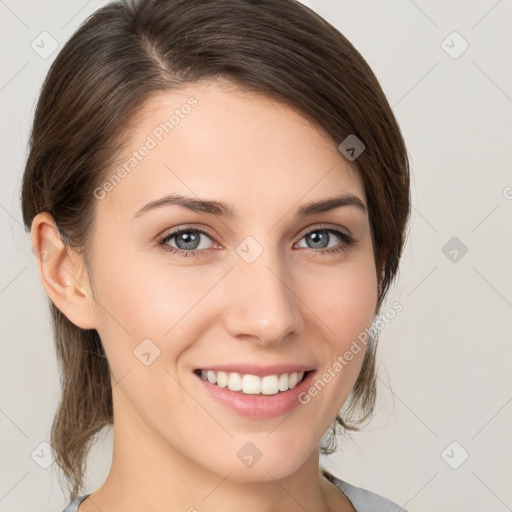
[{"x": 215, "y": 140}]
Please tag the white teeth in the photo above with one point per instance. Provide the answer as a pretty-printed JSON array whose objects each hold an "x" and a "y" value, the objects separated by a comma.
[
  {"x": 252, "y": 384},
  {"x": 269, "y": 385},
  {"x": 222, "y": 379},
  {"x": 283, "y": 382},
  {"x": 235, "y": 382}
]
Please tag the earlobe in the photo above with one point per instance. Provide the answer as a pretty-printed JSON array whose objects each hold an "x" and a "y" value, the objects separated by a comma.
[{"x": 62, "y": 272}]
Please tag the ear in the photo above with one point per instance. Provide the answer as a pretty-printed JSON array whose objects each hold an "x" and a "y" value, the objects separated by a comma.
[{"x": 62, "y": 272}]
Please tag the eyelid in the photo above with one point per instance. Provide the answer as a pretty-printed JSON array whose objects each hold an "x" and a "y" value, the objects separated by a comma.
[
  {"x": 185, "y": 227},
  {"x": 320, "y": 226},
  {"x": 344, "y": 234},
  {"x": 304, "y": 232}
]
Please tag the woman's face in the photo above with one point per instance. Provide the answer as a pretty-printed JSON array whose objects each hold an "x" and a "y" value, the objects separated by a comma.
[{"x": 242, "y": 287}]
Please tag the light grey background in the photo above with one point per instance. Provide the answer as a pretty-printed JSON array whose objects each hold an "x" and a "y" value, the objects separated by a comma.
[{"x": 444, "y": 360}]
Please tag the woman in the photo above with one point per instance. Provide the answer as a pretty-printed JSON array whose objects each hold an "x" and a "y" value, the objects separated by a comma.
[{"x": 217, "y": 193}]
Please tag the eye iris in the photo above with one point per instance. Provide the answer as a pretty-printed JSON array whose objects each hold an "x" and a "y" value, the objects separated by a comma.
[
  {"x": 189, "y": 237},
  {"x": 320, "y": 236}
]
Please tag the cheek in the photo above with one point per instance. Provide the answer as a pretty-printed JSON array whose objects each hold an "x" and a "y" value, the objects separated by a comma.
[
  {"x": 145, "y": 322},
  {"x": 346, "y": 310},
  {"x": 347, "y": 304},
  {"x": 137, "y": 302}
]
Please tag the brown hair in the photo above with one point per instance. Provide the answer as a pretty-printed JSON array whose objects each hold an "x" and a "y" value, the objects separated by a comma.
[{"x": 128, "y": 50}]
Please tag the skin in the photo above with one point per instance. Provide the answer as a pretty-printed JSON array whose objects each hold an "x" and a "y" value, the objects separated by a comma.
[{"x": 174, "y": 447}]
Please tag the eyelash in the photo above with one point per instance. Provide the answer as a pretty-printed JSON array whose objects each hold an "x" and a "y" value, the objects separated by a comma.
[{"x": 347, "y": 241}]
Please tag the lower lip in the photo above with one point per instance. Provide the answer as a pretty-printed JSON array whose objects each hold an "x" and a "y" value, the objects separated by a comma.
[{"x": 258, "y": 406}]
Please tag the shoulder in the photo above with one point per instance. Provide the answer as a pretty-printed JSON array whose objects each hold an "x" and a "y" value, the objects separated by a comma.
[
  {"x": 362, "y": 499},
  {"x": 73, "y": 506}
]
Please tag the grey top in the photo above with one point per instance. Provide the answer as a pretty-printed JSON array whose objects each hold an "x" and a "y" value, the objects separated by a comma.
[{"x": 361, "y": 499}]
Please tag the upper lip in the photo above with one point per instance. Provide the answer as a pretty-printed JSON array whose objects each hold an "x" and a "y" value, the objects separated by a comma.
[{"x": 261, "y": 371}]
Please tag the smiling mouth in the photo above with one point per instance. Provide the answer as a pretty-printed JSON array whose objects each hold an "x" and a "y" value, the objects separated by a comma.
[{"x": 249, "y": 384}]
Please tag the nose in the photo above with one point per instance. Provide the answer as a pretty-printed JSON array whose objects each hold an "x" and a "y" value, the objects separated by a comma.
[{"x": 260, "y": 300}]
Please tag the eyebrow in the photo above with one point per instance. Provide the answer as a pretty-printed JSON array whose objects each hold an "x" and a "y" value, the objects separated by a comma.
[{"x": 223, "y": 210}]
